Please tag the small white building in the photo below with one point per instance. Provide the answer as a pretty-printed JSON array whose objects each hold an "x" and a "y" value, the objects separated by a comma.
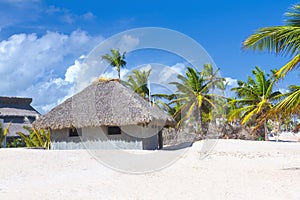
[{"x": 105, "y": 115}]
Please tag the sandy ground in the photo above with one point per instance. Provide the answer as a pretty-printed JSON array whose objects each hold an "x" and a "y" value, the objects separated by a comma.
[{"x": 234, "y": 169}]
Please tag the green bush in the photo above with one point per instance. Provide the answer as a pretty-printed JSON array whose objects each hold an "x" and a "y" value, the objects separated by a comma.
[
  {"x": 17, "y": 142},
  {"x": 36, "y": 138}
]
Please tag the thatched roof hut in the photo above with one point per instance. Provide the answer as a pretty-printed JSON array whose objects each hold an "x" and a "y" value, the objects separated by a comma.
[
  {"x": 104, "y": 103},
  {"x": 18, "y": 112}
]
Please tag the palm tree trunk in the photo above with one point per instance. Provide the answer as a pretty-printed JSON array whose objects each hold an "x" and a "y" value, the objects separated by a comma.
[
  {"x": 279, "y": 125},
  {"x": 279, "y": 128},
  {"x": 119, "y": 72},
  {"x": 266, "y": 130},
  {"x": 200, "y": 124}
]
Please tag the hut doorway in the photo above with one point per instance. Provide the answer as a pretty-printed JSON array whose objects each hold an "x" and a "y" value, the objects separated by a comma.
[{"x": 160, "y": 140}]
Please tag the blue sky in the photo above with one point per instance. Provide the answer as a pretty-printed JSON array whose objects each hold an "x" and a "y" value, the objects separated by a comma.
[{"x": 42, "y": 42}]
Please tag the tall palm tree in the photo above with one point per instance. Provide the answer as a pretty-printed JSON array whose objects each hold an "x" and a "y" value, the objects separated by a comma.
[
  {"x": 193, "y": 97},
  {"x": 213, "y": 76},
  {"x": 284, "y": 40},
  {"x": 116, "y": 59},
  {"x": 216, "y": 82},
  {"x": 255, "y": 98},
  {"x": 138, "y": 82}
]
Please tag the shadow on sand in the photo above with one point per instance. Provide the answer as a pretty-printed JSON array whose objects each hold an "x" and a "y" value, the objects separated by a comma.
[{"x": 177, "y": 146}]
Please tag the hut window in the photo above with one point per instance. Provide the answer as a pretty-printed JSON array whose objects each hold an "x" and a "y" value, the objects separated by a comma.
[
  {"x": 113, "y": 130},
  {"x": 73, "y": 132}
]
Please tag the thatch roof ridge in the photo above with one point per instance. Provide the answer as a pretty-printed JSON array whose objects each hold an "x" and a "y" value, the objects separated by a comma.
[
  {"x": 16, "y": 107},
  {"x": 15, "y": 100},
  {"x": 103, "y": 103}
]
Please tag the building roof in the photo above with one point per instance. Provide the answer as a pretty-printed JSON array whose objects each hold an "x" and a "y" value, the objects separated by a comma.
[
  {"x": 16, "y": 106},
  {"x": 14, "y": 110},
  {"x": 104, "y": 103}
]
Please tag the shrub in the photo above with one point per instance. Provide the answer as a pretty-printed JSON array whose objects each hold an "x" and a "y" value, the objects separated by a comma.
[{"x": 38, "y": 138}]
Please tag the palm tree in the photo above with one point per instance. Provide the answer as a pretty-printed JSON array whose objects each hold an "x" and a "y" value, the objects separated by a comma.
[
  {"x": 193, "y": 97},
  {"x": 291, "y": 104},
  {"x": 284, "y": 40},
  {"x": 217, "y": 82},
  {"x": 3, "y": 132},
  {"x": 116, "y": 59},
  {"x": 212, "y": 76},
  {"x": 288, "y": 107},
  {"x": 138, "y": 82},
  {"x": 163, "y": 101},
  {"x": 255, "y": 98}
]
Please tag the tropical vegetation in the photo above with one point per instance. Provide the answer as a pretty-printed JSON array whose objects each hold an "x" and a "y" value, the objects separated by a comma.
[
  {"x": 257, "y": 103},
  {"x": 3, "y": 133},
  {"x": 256, "y": 98},
  {"x": 116, "y": 59},
  {"x": 138, "y": 82},
  {"x": 36, "y": 138},
  {"x": 282, "y": 40},
  {"x": 194, "y": 101}
]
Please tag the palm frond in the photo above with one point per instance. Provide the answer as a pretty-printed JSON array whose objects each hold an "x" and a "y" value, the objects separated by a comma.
[
  {"x": 291, "y": 104},
  {"x": 279, "y": 39},
  {"x": 292, "y": 64},
  {"x": 293, "y": 16}
]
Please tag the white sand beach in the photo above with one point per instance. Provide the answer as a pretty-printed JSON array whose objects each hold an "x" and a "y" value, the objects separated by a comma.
[{"x": 234, "y": 169}]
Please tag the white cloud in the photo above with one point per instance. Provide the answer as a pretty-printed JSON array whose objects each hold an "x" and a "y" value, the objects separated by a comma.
[
  {"x": 113, "y": 73},
  {"x": 38, "y": 66},
  {"x": 54, "y": 91},
  {"x": 94, "y": 66},
  {"x": 127, "y": 43},
  {"x": 230, "y": 83},
  {"x": 88, "y": 16},
  {"x": 67, "y": 16},
  {"x": 161, "y": 75},
  {"x": 145, "y": 67},
  {"x": 18, "y": 12},
  {"x": 283, "y": 90},
  {"x": 170, "y": 73},
  {"x": 72, "y": 72}
]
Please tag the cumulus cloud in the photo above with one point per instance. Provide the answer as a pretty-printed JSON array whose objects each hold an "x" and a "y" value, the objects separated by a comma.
[
  {"x": 37, "y": 66},
  {"x": 161, "y": 75},
  {"x": 94, "y": 66},
  {"x": 48, "y": 94},
  {"x": 72, "y": 72},
  {"x": 231, "y": 82}
]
